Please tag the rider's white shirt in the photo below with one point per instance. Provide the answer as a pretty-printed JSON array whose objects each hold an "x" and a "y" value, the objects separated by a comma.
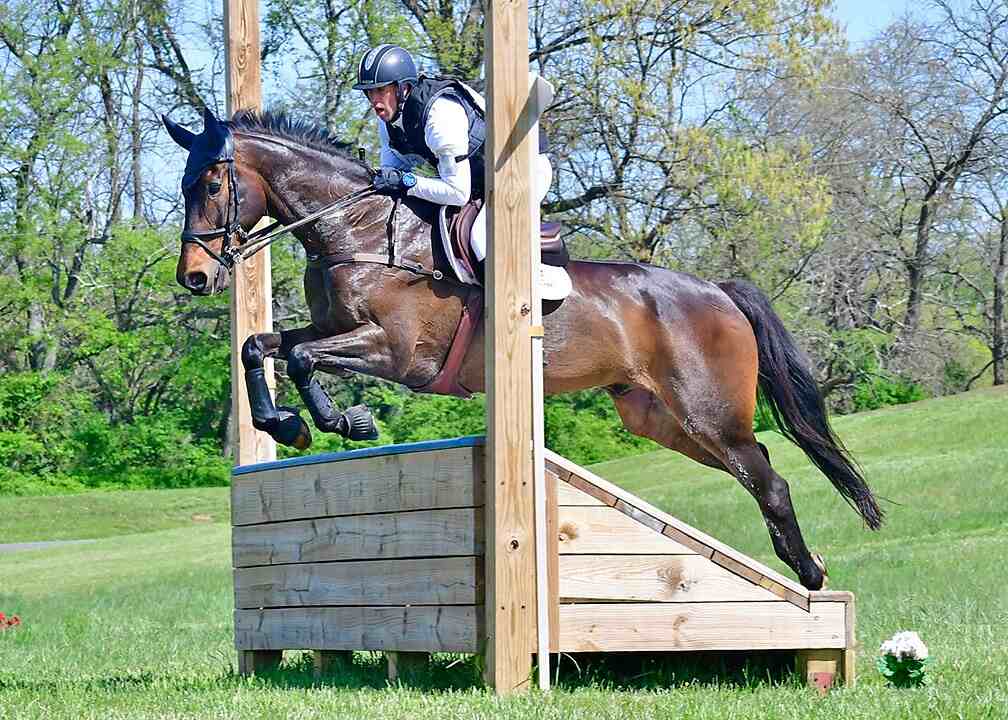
[{"x": 447, "y": 135}]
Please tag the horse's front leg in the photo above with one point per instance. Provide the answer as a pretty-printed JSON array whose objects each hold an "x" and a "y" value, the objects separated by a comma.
[
  {"x": 366, "y": 350},
  {"x": 283, "y": 424}
]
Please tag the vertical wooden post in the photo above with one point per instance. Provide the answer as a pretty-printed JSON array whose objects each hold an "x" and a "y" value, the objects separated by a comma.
[
  {"x": 251, "y": 285},
  {"x": 510, "y": 547}
]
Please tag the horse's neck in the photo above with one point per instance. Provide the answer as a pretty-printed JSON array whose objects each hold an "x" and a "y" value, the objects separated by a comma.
[{"x": 300, "y": 181}]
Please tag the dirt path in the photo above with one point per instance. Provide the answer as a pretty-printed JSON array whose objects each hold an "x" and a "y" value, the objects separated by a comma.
[{"x": 16, "y": 547}]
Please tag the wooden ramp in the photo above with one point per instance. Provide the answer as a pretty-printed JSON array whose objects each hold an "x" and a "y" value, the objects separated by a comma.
[{"x": 382, "y": 549}]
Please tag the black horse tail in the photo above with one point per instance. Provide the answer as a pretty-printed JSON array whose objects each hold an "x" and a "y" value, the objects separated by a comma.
[{"x": 788, "y": 387}]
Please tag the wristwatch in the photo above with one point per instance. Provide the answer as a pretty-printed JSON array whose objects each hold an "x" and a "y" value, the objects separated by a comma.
[{"x": 408, "y": 180}]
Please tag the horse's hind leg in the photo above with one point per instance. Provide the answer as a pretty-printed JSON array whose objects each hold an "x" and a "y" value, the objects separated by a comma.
[
  {"x": 644, "y": 414},
  {"x": 282, "y": 424},
  {"x": 707, "y": 441}
]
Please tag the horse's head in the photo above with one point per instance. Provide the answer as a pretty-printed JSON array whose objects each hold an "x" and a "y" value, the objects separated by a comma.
[{"x": 222, "y": 202}]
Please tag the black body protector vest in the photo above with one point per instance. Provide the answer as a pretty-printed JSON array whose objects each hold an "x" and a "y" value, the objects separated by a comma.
[{"x": 410, "y": 140}]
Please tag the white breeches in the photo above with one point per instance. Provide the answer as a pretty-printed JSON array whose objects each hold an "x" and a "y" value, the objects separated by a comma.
[{"x": 544, "y": 177}]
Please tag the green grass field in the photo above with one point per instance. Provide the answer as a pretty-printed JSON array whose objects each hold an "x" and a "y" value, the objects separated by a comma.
[{"x": 138, "y": 623}]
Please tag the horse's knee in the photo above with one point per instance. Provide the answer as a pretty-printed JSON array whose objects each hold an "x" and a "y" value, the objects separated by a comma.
[
  {"x": 299, "y": 365},
  {"x": 257, "y": 348},
  {"x": 253, "y": 353}
]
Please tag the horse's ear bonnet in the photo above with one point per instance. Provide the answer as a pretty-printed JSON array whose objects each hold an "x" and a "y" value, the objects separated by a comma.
[{"x": 215, "y": 144}]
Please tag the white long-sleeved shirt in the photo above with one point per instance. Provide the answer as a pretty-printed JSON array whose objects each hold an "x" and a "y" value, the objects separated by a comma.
[{"x": 447, "y": 136}]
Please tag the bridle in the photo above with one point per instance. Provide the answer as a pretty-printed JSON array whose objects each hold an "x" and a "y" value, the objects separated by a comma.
[
  {"x": 232, "y": 253},
  {"x": 249, "y": 244}
]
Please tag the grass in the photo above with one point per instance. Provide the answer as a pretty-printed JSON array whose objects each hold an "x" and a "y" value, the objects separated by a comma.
[
  {"x": 138, "y": 623},
  {"x": 108, "y": 513}
]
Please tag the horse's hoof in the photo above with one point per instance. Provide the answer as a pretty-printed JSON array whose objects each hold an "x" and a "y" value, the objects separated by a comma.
[
  {"x": 821, "y": 564},
  {"x": 360, "y": 423},
  {"x": 291, "y": 430}
]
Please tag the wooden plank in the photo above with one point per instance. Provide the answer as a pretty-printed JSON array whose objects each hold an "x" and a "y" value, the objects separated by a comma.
[
  {"x": 653, "y": 578},
  {"x": 706, "y": 540},
  {"x": 688, "y": 540},
  {"x": 391, "y": 483},
  {"x": 452, "y": 628},
  {"x": 553, "y": 486},
  {"x": 427, "y": 581},
  {"x": 510, "y": 561},
  {"x": 655, "y": 627},
  {"x": 587, "y": 488},
  {"x": 740, "y": 569},
  {"x": 251, "y": 282},
  {"x": 567, "y": 494},
  {"x": 605, "y": 530},
  {"x": 433, "y": 533}
]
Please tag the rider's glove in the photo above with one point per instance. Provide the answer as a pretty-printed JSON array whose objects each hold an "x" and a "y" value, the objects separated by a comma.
[{"x": 393, "y": 182}]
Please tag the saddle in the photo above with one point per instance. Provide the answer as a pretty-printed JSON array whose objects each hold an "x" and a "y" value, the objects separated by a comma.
[
  {"x": 459, "y": 222},
  {"x": 454, "y": 225}
]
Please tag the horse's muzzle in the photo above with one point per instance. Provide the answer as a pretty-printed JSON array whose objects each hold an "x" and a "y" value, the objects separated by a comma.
[{"x": 199, "y": 282}]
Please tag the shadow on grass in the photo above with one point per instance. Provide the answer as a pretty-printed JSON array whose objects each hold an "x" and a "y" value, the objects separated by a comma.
[
  {"x": 622, "y": 671},
  {"x": 450, "y": 672}
]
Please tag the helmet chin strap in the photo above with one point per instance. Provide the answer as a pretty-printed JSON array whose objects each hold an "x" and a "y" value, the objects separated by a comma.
[{"x": 402, "y": 92}]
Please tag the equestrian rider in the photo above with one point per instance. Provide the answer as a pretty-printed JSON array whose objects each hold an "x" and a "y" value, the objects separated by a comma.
[{"x": 439, "y": 121}]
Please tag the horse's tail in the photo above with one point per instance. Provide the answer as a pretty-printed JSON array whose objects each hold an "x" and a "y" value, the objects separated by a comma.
[{"x": 788, "y": 387}]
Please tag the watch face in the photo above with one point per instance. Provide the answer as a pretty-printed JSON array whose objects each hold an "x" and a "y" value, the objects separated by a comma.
[{"x": 409, "y": 179}]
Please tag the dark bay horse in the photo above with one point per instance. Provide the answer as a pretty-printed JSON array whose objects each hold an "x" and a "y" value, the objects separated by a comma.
[{"x": 681, "y": 357}]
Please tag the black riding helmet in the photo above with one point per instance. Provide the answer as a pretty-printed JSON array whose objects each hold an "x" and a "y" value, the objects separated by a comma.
[{"x": 384, "y": 65}]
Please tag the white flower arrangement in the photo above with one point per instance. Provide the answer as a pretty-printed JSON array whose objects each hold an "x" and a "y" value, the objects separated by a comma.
[{"x": 902, "y": 659}]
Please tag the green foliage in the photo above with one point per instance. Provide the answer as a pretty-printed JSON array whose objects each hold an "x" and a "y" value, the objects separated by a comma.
[
  {"x": 36, "y": 412},
  {"x": 585, "y": 427},
  {"x": 902, "y": 672},
  {"x": 151, "y": 452},
  {"x": 874, "y": 392}
]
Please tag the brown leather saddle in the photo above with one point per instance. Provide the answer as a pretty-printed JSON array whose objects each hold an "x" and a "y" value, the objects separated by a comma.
[{"x": 460, "y": 223}]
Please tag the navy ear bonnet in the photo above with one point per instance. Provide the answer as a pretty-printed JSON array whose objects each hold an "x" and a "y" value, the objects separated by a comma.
[{"x": 215, "y": 144}]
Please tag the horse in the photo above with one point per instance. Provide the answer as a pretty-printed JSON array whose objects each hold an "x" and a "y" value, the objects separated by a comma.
[{"x": 682, "y": 358}]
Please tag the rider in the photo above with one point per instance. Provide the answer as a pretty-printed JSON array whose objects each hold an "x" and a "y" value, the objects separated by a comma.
[{"x": 435, "y": 120}]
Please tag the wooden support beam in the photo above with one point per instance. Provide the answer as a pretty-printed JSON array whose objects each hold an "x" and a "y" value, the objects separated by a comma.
[
  {"x": 510, "y": 559},
  {"x": 402, "y": 665},
  {"x": 251, "y": 662},
  {"x": 251, "y": 284}
]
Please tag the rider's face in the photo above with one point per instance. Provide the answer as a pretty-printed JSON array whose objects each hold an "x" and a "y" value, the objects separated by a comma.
[{"x": 383, "y": 100}]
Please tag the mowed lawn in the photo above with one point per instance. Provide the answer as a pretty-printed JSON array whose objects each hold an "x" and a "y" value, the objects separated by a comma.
[{"x": 138, "y": 623}]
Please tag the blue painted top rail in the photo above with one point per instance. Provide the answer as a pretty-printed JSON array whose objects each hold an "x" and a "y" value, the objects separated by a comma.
[{"x": 425, "y": 446}]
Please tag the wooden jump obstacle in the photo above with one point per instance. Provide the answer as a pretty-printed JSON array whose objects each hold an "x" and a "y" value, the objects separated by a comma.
[{"x": 383, "y": 549}]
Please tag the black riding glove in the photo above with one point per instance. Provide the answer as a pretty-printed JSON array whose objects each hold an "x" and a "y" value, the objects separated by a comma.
[{"x": 392, "y": 182}]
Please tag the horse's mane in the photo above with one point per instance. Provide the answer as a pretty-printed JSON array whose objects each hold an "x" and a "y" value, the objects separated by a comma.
[{"x": 279, "y": 124}]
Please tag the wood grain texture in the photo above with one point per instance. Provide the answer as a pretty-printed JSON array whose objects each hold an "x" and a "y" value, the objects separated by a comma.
[
  {"x": 700, "y": 537},
  {"x": 391, "y": 483},
  {"x": 426, "y": 581},
  {"x": 251, "y": 283},
  {"x": 455, "y": 628},
  {"x": 603, "y": 530},
  {"x": 567, "y": 494},
  {"x": 511, "y": 614},
  {"x": 699, "y": 626},
  {"x": 652, "y": 578},
  {"x": 424, "y": 533}
]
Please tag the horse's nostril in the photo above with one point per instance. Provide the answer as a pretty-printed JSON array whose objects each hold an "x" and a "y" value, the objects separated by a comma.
[{"x": 196, "y": 281}]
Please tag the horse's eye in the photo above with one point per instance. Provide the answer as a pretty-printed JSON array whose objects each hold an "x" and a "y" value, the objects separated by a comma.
[{"x": 213, "y": 188}]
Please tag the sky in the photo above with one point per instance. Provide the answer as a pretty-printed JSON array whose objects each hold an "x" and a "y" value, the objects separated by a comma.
[{"x": 864, "y": 18}]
